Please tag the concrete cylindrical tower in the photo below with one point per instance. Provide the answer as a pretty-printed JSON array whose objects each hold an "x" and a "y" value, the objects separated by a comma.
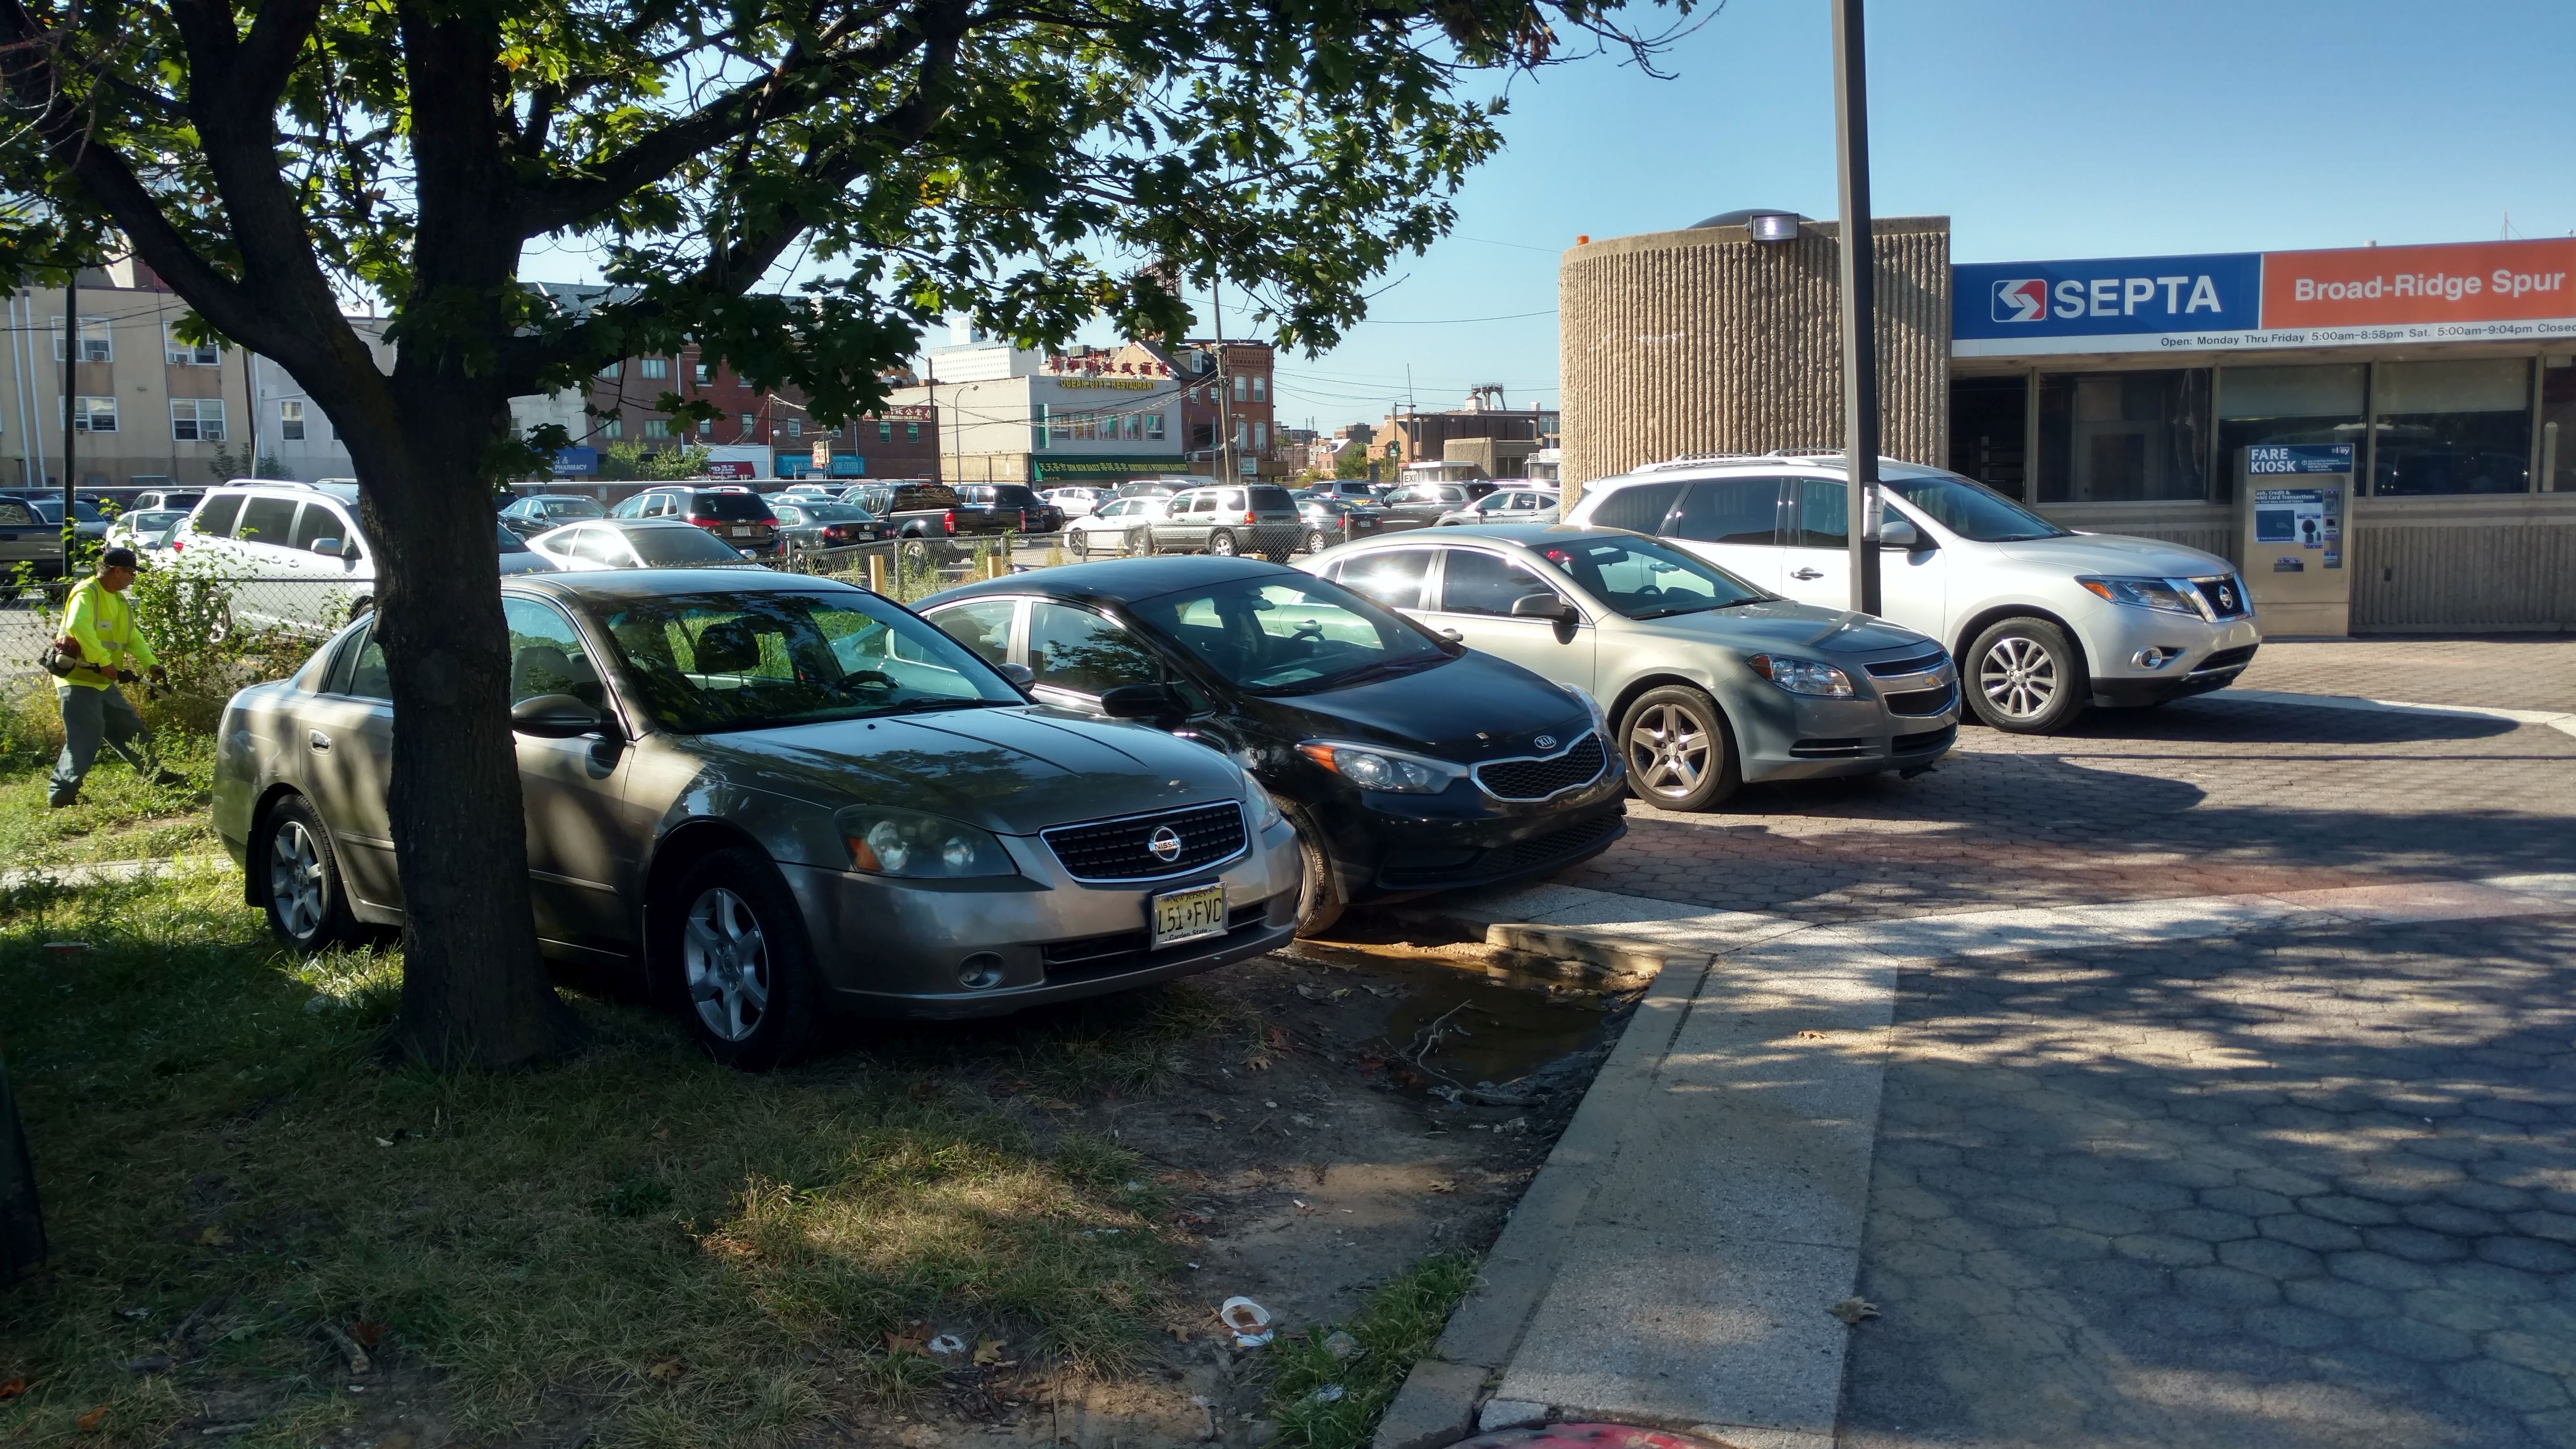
[{"x": 1705, "y": 341}]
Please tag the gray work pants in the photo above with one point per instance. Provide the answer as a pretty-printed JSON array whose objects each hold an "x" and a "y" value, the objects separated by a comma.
[{"x": 92, "y": 717}]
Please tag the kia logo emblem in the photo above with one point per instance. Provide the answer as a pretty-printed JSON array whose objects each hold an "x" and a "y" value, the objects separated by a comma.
[
  {"x": 1545, "y": 742},
  {"x": 1165, "y": 842}
]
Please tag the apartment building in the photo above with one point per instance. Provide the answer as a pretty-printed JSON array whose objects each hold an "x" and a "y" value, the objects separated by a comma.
[{"x": 148, "y": 408}]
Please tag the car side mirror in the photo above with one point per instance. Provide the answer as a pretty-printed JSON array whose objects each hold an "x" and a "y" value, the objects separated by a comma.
[
  {"x": 556, "y": 717},
  {"x": 1155, "y": 703},
  {"x": 349, "y": 550},
  {"x": 1022, "y": 677},
  {"x": 1540, "y": 606},
  {"x": 1897, "y": 533},
  {"x": 326, "y": 545}
]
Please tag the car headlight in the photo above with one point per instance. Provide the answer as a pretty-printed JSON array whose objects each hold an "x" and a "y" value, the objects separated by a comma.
[
  {"x": 1374, "y": 768},
  {"x": 2141, "y": 594},
  {"x": 1257, "y": 796},
  {"x": 1600, "y": 721},
  {"x": 885, "y": 841},
  {"x": 1802, "y": 676}
]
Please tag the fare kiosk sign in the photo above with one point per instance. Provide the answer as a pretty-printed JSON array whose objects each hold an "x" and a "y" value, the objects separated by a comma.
[{"x": 2294, "y": 496}]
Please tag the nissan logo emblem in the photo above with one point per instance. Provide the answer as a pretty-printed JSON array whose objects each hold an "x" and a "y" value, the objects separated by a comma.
[
  {"x": 1165, "y": 842},
  {"x": 1545, "y": 742}
]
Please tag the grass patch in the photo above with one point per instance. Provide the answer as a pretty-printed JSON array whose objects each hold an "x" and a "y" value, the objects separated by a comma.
[
  {"x": 1329, "y": 1385},
  {"x": 670, "y": 1252},
  {"x": 120, "y": 815}
]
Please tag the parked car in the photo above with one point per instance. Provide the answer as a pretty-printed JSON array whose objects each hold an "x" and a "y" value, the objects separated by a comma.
[
  {"x": 1712, "y": 681},
  {"x": 1420, "y": 505},
  {"x": 773, "y": 797},
  {"x": 1504, "y": 505},
  {"x": 735, "y": 515},
  {"x": 1405, "y": 762},
  {"x": 2041, "y": 621},
  {"x": 934, "y": 524},
  {"x": 539, "y": 512},
  {"x": 1257, "y": 518},
  {"x": 1117, "y": 526},
  {"x": 819, "y": 492},
  {"x": 1075, "y": 502},
  {"x": 636, "y": 543},
  {"x": 820, "y": 523},
  {"x": 26, "y": 538},
  {"x": 1035, "y": 514},
  {"x": 145, "y": 529},
  {"x": 86, "y": 519},
  {"x": 299, "y": 553},
  {"x": 1354, "y": 490},
  {"x": 1328, "y": 520},
  {"x": 181, "y": 499}
]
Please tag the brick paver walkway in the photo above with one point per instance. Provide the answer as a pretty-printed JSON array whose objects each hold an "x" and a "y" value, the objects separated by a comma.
[{"x": 2529, "y": 671}]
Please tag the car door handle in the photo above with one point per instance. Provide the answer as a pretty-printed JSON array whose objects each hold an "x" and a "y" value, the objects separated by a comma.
[
  {"x": 315, "y": 739},
  {"x": 1807, "y": 574}
]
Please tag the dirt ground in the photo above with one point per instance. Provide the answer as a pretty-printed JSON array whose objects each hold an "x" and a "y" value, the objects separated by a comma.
[{"x": 1401, "y": 1094}]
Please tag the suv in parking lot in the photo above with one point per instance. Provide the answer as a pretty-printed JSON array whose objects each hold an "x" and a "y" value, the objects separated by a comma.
[
  {"x": 2042, "y": 621},
  {"x": 738, "y": 516},
  {"x": 297, "y": 553},
  {"x": 1260, "y": 518}
]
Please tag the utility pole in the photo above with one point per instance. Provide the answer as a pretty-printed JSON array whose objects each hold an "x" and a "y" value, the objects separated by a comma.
[
  {"x": 1224, "y": 400},
  {"x": 1860, "y": 305},
  {"x": 71, "y": 360},
  {"x": 250, "y": 380}
]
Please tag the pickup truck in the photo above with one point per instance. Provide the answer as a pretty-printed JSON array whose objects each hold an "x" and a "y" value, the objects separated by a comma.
[
  {"x": 1036, "y": 514},
  {"x": 931, "y": 523}
]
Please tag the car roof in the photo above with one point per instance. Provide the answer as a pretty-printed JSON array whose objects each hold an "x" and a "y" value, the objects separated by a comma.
[
  {"x": 1786, "y": 459},
  {"x": 1527, "y": 535},
  {"x": 632, "y": 523},
  {"x": 644, "y": 583},
  {"x": 1116, "y": 581}
]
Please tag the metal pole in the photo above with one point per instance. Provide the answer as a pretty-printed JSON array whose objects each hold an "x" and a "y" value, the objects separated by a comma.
[
  {"x": 1860, "y": 310},
  {"x": 1224, "y": 403},
  {"x": 71, "y": 359}
]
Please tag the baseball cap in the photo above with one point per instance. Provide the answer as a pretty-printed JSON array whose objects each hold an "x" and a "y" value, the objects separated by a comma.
[{"x": 118, "y": 558}]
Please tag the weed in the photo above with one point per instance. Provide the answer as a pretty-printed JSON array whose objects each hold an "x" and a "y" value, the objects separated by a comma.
[{"x": 1327, "y": 1399}]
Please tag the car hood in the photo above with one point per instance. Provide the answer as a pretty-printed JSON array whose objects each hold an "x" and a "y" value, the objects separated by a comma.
[
  {"x": 2115, "y": 554},
  {"x": 1014, "y": 771},
  {"x": 1475, "y": 707},
  {"x": 1781, "y": 624}
]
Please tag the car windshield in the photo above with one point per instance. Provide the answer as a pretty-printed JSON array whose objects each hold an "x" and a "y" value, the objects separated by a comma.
[
  {"x": 1973, "y": 511},
  {"x": 712, "y": 662},
  {"x": 51, "y": 510},
  {"x": 572, "y": 508},
  {"x": 679, "y": 545},
  {"x": 1646, "y": 580},
  {"x": 1293, "y": 635},
  {"x": 150, "y": 520}
]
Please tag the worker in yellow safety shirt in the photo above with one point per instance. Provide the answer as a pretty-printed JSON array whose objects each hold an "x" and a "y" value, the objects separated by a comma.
[{"x": 99, "y": 625}]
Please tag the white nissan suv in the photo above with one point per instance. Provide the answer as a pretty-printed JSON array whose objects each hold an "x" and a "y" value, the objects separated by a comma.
[{"x": 2041, "y": 620}]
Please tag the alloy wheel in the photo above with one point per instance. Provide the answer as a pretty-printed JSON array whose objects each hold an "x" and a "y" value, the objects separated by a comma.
[
  {"x": 727, "y": 963},
  {"x": 2018, "y": 676},
  {"x": 1668, "y": 750},
  {"x": 295, "y": 878},
  {"x": 1315, "y": 541},
  {"x": 1221, "y": 543}
]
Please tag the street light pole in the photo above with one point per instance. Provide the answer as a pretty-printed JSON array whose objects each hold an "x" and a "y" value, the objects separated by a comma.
[
  {"x": 71, "y": 360},
  {"x": 1860, "y": 309}
]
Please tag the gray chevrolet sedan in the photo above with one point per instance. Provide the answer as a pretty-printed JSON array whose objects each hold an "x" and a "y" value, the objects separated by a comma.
[
  {"x": 1708, "y": 681},
  {"x": 775, "y": 796}
]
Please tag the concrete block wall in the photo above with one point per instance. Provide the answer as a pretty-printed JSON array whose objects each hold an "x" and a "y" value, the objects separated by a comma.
[{"x": 1703, "y": 341}]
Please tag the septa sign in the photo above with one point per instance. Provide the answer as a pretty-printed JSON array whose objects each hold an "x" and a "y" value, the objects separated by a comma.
[{"x": 2015, "y": 303}]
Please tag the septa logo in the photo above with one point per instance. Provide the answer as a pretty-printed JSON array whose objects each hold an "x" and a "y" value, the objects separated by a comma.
[{"x": 2023, "y": 299}]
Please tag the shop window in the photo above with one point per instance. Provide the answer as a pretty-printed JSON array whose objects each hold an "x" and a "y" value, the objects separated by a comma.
[
  {"x": 2558, "y": 425},
  {"x": 2451, "y": 427},
  {"x": 1154, "y": 426},
  {"x": 1987, "y": 441},
  {"x": 2265, "y": 405},
  {"x": 2124, "y": 437}
]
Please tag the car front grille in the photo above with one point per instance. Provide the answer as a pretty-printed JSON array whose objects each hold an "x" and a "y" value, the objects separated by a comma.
[
  {"x": 1547, "y": 777},
  {"x": 2225, "y": 596},
  {"x": 1887, "y": 668},
  {"x": 1923, "y": 701},
  {"x": 1122, "y": 849},
  {"x": 2236, "y": 658}
]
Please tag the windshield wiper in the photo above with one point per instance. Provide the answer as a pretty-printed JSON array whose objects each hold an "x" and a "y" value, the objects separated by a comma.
[
  {"x": 924, "y": 706},
  {"x": 1694, "y": 608}
]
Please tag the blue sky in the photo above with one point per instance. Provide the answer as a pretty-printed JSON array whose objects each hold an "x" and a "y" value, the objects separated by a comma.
[{"x": 2042, "y": 128}]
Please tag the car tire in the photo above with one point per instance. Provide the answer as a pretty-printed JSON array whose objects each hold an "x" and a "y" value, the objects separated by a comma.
[
  {"x": 733, "y": 950},
  {"x": 1315, "y": 541},
  {"x": 1679, "y": 749},
  {"x": 1220, "y": 544},
  {"x": 300, "y": 881},
  {"x": 2024, "y": 676},
  {"x": 1320, "y": 901},
  {"x": 915, "y": 553}
]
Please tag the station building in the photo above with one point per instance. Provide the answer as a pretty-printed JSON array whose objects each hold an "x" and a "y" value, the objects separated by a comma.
[{"x": 2130, "y": 395}]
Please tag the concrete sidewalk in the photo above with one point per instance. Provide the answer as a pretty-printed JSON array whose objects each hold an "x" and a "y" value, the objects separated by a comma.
[{"x": 1679, "y": 1260}]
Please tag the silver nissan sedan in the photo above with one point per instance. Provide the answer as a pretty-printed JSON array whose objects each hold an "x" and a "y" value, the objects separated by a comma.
[{"x": 778, "y": 796}]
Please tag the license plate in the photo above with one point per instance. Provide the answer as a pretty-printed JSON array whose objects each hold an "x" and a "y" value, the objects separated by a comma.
[
  {"x": 1189, "y": 915},
  {"x": 739, "y": 532}
]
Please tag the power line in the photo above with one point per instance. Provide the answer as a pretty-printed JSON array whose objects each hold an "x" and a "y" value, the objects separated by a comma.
[{"x": 1446, "y": 321}]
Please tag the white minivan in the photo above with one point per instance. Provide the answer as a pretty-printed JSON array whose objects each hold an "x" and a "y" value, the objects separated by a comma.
[
  {"x": 2042, "y": 621},
  {"x": 294, "y": 554}
]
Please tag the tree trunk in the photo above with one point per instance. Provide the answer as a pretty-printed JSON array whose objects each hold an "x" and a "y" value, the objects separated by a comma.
[{"x": 475, "y": 991}]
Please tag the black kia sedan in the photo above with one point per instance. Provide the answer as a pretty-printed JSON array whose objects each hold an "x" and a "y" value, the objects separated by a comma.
[{"x": 1406, "y": 762}]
